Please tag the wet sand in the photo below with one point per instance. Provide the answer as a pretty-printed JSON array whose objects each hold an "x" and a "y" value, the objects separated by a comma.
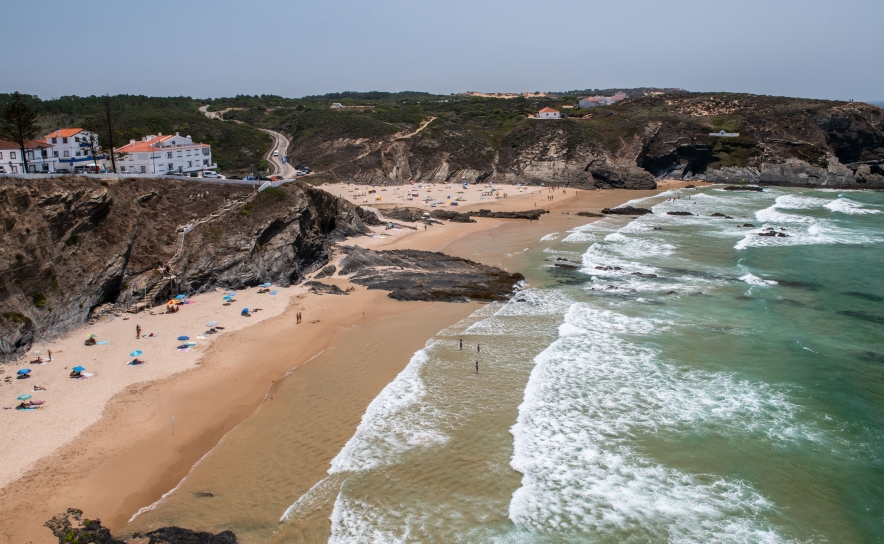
[{"x": 129, "y": 459}]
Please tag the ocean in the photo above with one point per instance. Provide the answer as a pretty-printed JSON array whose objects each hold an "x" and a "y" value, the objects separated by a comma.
[{"x": 691, "y": 382}]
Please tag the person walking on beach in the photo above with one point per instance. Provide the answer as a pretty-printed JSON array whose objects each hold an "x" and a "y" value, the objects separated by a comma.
[
  {"x": 477, "y": 367},
  {"x": 461, "y": 343},
  {"x": 479, "y": 348},
  {"x": 137, "y": 332}
]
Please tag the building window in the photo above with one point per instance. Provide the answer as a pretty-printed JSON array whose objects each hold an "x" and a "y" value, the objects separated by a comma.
[
  {"x": 12, "y": 154},
  {"x": 205, "y": 151},
  {"x": 67, "y": 153},
  {"x": 122, "y": 169},
  {"x": 171, "y": 166},
  {"x": 189, "y": 164},
  {"x": 1, "y": 154},
  {"x": 30, "y": 153},
  {"x": 168, "y": 154},
  {"x": 64, "y": 140},
  {"x": 143, "y": 169},
  {"x": 55, "y": 153},
  {"x": 45, "y": 167},
  {"x": 205, "y": 162},
  {"x": 55, "y": 140}
]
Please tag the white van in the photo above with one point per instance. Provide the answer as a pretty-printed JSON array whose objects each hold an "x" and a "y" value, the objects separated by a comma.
[
  {"x": 276, "y": 153},
  {"x": 211, "y": 175}
]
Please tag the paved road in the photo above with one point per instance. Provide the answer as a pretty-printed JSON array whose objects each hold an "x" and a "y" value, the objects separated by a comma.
[{"x": 281, "y": 144}]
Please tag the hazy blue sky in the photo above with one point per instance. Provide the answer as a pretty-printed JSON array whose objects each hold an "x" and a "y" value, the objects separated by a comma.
[{"x": 812, "y": 48}]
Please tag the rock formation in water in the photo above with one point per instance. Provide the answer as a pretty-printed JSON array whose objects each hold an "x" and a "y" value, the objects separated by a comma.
[
  {"x": 626, "y": 210},
  {"x": 424, "y": 275},
  {"x": 75, "y": 247}
]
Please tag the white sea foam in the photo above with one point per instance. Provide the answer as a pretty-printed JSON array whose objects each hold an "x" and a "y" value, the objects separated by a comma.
[
  {"x": 590, "y": 394},
  {"x": 850, "y": 207},
  {"x": 388, "y": 427},
  {"x": 550, "y": 237},
  {"x": 752, "y": 279}
]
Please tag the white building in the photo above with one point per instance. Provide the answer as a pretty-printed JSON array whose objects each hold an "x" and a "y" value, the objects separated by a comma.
[
  {"x": 548, "y": 113},
  {"x": 38, "y": 153},
  {"x": 336, "y": 105},
  {"x": 596, "y": 101},
  {"x": 71, "y": 148},
  {"x": 158, "y": 154}
]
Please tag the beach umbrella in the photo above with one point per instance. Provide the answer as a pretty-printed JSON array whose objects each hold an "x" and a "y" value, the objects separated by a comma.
[
  {"x": 23, "y": 397},
  {"x": 211, "y": 323},
  {"x": 135, "y": 353},
  {"x": 78, "y": 369},
  {"x": 231, "y": 294},
  {"x": 24, "y": 371},
  {"x": 179, "y": 297},
  {"x": 183, "y": 338},
  {"x": 266, "y": 284}
]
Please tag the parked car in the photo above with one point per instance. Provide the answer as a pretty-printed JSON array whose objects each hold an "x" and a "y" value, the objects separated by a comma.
[
  {"x": 194, "y": 175},
  {"x": 275, "y": 178},
  {"x": 234, "y": 177},
  {"x": 211, "y": 175},
  {"x": 276, "y": 153},
  {"x": 263, "y": 178},
  {"x": 300, "y": 173}
]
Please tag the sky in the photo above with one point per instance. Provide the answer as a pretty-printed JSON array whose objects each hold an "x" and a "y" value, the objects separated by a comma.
[{"x": 808, "y": 48}]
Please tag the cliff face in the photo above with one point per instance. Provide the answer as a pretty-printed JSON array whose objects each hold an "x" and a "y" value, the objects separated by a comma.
[
  {"x": 786, "y": 141},
  {"x": 70, "y": 245}
]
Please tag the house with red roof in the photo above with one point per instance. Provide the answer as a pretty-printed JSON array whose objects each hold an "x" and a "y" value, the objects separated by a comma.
[
  {"x": 164, "y": 154},
  {"x": 73, "y": 149},
  {"x": 37, "y": 152},
  {"x": 548, "y": 113}
]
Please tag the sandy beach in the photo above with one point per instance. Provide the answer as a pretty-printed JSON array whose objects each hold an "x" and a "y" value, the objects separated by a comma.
[{"x": 105, "y": 444}]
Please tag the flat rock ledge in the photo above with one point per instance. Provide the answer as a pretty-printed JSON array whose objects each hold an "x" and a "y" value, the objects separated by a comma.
[{"x": 430, "y": 276}]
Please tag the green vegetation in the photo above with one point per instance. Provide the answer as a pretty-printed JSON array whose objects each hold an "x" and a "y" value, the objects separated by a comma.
[
  {"x": 16, "y": 317},
  {"x": 271, "y": 195},
  {"x": 39, "y": 299},
  {"x": 236, "y": 148}
]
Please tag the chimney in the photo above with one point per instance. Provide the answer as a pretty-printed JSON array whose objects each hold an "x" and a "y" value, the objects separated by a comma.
[
  {"x": 131, "y": 141},
  {"x": 176, "y": 134},
  {"x": 59, "y": 133}
]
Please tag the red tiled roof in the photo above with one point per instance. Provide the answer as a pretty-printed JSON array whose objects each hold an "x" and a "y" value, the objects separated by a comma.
[
  {"x": 29, "y": 144},
  {"x": 548, "y": 110},
  {"x": 65, "y": 133}
]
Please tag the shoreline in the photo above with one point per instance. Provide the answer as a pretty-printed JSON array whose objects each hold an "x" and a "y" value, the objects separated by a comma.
[{"x": 119, "y": 473}]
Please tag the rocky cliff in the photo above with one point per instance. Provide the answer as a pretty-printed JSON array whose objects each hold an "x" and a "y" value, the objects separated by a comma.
[
  {"x": 72, "y": 246},
  {"x": 787, "y": 141}
]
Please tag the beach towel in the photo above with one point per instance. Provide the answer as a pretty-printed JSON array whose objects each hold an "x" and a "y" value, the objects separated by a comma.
[
  {"x": 273, "y": 292},
  {"x": 183, "y": 349},
  {"x": 84, "y": 375},
  {"x": 103, "y": 343}
]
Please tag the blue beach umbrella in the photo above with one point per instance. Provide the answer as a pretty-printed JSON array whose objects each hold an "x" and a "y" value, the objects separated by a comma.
[
  {"x": 231, "y": 294},
  {"x": 183, "y": 338},
  {"x": 135, "y": 353},
  {"x": 23, "y": 397},
  {"x": 266, "y": 284},
  {"x": 179, "y": 297},
  {"x": 228, "y": 297},
  {"x": 78, "y": 369},
  {"x": 211, "y": 323},
  {"x": 24, "y": 371}
]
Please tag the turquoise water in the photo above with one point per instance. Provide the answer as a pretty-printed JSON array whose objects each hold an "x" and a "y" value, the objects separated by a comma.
[{"x": 692, "y": 382}]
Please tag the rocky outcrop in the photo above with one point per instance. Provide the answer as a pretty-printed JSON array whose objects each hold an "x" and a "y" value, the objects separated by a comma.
[
  {"x": 679, "y": 213},
  {"x": 69, "y": 245},
  {"x": 744, "y": 188},
  {"x": 590, "y": 214},
  {"x": 533, "y": 215},
  {"x": 70, "y": 528},
  {"x": 404, "y": 214},
  {"x": 320, "y": 288},
  {"x": 626, "y": 210},
  {"x": 425, "y": 275},
  {"x": 451, "y": 215},
  {"x": 326, "y": 272},
  {"x": 801, "y": 174}
]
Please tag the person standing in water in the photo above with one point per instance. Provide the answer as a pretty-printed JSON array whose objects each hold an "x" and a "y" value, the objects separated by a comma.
[
  {"x": 461, "y": 343},
  {"x": 479, "y": 348}
]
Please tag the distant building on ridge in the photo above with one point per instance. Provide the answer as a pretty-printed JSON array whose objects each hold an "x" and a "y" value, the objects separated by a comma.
[{"x": 548, "y": 113}]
